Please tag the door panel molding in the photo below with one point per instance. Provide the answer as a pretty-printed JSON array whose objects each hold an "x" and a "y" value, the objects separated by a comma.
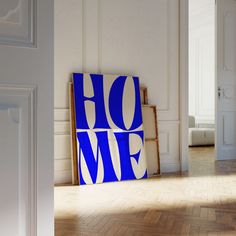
[
  {"x": 18, "y": 22},
  {"x": 229, "y": 37},
  {"x": 20, "y": 103}
]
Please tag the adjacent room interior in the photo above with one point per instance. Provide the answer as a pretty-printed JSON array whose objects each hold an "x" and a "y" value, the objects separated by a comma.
[{"x": 202, "y": 84}]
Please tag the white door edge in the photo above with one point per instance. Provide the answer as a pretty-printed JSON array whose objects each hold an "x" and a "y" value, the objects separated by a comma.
[{"x": 183, "y": 57}]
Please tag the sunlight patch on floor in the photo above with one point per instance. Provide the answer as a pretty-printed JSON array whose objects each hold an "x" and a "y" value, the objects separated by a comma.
[{"x": 129, "y": 196}]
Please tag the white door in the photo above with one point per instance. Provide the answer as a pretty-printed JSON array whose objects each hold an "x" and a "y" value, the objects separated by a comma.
[
  {"x": 26, "y": 117},
  {"x": 226, "y": 79}
]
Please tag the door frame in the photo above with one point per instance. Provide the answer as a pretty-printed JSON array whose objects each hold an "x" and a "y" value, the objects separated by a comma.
[{"x": 183, "y": 75}]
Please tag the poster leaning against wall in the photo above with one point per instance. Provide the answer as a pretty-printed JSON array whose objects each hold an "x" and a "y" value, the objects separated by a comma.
[{"x": 109, "y": 128}]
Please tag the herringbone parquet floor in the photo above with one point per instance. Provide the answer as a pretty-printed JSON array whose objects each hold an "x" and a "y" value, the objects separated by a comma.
[{"x": 200, "y": 203}]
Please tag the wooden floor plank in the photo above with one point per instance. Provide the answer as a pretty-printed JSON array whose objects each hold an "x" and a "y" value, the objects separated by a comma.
[{"x": 202, "y": 202}]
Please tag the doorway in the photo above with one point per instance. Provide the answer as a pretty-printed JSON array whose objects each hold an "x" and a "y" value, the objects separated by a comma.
[
  {"x": 225, "y": 83},
  {"x": 201, "y": 86}
]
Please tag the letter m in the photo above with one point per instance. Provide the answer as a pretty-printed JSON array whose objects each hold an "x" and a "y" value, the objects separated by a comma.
[{"x": 90, "y": 157}]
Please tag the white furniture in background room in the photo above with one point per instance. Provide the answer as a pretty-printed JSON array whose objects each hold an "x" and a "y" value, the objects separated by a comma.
[{"x": 200, "y": 136}]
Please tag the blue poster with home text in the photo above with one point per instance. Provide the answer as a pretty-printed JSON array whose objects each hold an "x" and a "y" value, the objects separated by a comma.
[{"x": 109, "y": 128}]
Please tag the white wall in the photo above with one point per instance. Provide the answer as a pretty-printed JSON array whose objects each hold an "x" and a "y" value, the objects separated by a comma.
[
  {"x": 202, "y": 60},
  {"x": 136, "y": 37}
]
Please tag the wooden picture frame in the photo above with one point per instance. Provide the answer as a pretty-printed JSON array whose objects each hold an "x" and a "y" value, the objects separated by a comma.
[
  {"x": 144, "y": 95},
  {"x": 75, "y": 174},
  {"x": 154, "y": 134}
]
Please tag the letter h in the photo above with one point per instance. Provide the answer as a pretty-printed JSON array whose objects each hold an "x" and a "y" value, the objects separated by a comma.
[{"x": 98, "y": 99}]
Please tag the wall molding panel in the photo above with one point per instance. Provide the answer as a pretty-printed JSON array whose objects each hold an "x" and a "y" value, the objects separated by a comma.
[
  {"x": 111, "y": 26},
  {"x": 61, "y": 114},
  {"x": 18, "y": 22},
  {"x": 169, "y": 146},
  {"x": 62, "y": 153},
  {"x": 20, "y": 104}
]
